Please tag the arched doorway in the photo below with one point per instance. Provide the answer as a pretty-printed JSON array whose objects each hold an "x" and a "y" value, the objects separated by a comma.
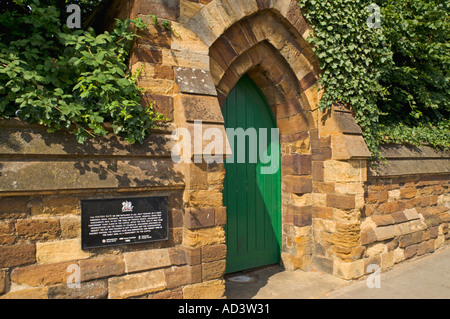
[{"x": 252, "y": 186}]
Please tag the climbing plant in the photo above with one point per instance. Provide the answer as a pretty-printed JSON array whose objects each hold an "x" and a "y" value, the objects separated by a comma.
[
  {"x": 70, "y": 79},
  {"x": 393, "y": 75}
]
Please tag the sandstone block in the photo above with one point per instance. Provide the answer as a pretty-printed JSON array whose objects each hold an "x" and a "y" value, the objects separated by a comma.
[
  {"x": 7, "y": 232},
  {"x": 341, "y": 201},
  {"x": 213, "y": 270},
  {"x": 89, "y": 290},
  {"x": 146, "y": 259},
  {"x": 41, "y": 275},
  {"x": 33, "y": 293},
  {"x": 214, "y": 253},
  {"x": 136, "y": 284},
  {"x": 177, "y": 276},
  {"x": 348, "y": 270},
  {"x": 213, "y": 289},
  {"x": 101, "y": 267},
  {"x": 59, "y": 251},
  {"x": 195, "y": 218},
  {"x": 203, "y": 237},
  {"x": 16, "y": 255},
  {"x": 38, "y": 228}
]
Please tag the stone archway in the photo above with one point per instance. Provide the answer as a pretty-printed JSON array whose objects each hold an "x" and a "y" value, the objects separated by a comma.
[
  {"x": 266, "y": 40},
  {"x": 323, "y": 155}
]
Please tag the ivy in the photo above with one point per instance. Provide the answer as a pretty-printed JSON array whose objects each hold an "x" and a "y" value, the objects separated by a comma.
[
  {"x": 395, "y": 77},
  {"x": 71, "y": 79}
]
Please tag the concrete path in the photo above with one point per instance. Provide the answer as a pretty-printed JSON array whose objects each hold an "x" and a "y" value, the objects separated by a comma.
[{"x": 425, "y": 278}]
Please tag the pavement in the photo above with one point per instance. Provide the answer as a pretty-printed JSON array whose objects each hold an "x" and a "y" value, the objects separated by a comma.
[{"x": 427, "y": 277}]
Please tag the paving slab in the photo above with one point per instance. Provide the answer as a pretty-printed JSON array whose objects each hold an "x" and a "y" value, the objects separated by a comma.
[
  {"x": 275, "y": 283},
  {"x": 424, "y": 278},
  {"x": 427, "y": 277}
]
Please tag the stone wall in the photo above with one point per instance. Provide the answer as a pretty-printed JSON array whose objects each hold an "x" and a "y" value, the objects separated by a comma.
[
  {"x": 407, "y": 206},
  {"x": 338, "y": 216},
  {"x": 43, "y": 178}
]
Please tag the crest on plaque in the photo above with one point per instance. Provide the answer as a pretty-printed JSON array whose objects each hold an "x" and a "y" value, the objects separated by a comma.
[{"x": 127, "y": 207}]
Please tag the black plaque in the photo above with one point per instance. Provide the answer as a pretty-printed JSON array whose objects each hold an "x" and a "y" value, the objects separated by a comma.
[{"x": 112, "y": 222}]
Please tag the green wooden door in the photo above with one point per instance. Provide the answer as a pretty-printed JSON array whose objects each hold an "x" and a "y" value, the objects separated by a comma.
[{"x": 252, "y": 198}]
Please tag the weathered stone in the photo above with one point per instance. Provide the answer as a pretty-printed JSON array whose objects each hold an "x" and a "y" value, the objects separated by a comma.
[
  {"x": 213, "y": 270},
  {"x": 341, "y": 201},
  {"x": 368, "y": 236},
  {"x": 97, "y": 289},
  {"x": 342, "y": 171},
  {"x": 383, "y": 220},
  {"x": 203, "y": 237},
  {"x": 146, "y": 259},
  {"x": 386, "y": 232},
  {"x": 213, "y": 289},
  {"x": 136, "y": 284},
  {"x": 296, "y": 164},
  {"x": 387, "y": 260},
  {"x": 101, "y": 267},
  {"x": 201, "y": 108},
  {"x": 410, "y": 251},
  {"x": 214, "y": 253},
  {"x": 12, "y": 207},
  {"x": 59, "y": 251},
  {"x": 2, "y": 281},
  {"x": 38, "y": 228},
  {"x": 177, "y": 256},
  {"x": 348, "y": 270},
  {"x": 297, "y": 184},
  {"x": 195, "y": 218},
  {"x": 221, "y": 215},
  {"x": 7, "y": 232},
  {"x": 168, "y": 294},
  {"x": 425, "y": 247},
  {"x": 193, "y": 256},
  {"x": 33, "y": 293},
  {"x": 323, "y": 264},
  {"x": 177, "y": 276},
  {"x": 191, "y": 80},
  {"x": 163, "y": 9},
  {"x": 41, "y": 275},
  {"x": 17, "y": 255},
  {"x": 410, "y": 239},
  {"x": 70, "y": 226}
]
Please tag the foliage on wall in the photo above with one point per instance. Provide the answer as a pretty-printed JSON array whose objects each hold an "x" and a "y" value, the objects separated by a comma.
[
  {"x": 389, "y": 62},
  {"x": 70, "y": 79}
]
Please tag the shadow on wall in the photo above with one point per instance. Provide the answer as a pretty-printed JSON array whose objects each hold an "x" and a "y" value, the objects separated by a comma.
[{"x": 34, "y": 159}]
